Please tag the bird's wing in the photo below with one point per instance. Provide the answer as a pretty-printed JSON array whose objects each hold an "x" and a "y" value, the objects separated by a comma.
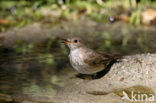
[
  {"x": 112, "y": 56},
  {"x": 97, "y": 59}
]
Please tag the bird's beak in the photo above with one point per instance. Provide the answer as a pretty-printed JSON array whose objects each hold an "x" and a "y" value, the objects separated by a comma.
[{"x": 65, "y": 41}]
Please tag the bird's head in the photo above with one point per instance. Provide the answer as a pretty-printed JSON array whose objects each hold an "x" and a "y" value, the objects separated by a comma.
[{"x": 73, "y": 43}]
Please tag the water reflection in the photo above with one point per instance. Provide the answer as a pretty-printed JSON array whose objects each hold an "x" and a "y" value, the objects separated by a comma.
[
  {"x": 40, "y": 69},
  {"x": 32, "y": 71}
]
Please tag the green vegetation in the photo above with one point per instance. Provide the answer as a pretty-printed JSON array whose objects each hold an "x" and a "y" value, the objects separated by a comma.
[
  {"x": 136, "y": 89},
  {"x": 51, "y": 12},
  {"x": 33, "y": 60},
  {"x": 22, "y": 12}
]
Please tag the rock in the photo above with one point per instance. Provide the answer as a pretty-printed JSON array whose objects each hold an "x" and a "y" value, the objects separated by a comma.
[
  {"x": 136, "y": 70},
  {"x": 50, "y": 13}
]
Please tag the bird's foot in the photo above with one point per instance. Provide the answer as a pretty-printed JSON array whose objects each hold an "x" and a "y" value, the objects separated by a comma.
[{"x": 84, "y": 76}]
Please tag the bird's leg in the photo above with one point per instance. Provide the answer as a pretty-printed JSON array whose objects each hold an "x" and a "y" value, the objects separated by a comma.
[
  {"x": 94, "y": 76},
  {"x": 84, "y": 76}
]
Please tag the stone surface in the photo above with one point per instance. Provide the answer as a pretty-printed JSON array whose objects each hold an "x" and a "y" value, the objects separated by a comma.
[{"x": 136, "y": 70}]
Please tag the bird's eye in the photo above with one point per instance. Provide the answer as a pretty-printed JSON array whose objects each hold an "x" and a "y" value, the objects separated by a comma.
[{"x": 75, "y": 41}]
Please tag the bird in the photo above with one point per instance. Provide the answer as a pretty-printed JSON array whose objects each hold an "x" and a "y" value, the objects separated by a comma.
[{"x": 85, "y": 60}]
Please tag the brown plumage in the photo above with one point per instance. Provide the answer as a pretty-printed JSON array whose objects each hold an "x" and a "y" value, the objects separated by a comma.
[{"x": 85, "y": 60}]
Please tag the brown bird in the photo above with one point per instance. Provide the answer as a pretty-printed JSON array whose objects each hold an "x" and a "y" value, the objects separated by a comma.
[{"x": 85, "y": 60}]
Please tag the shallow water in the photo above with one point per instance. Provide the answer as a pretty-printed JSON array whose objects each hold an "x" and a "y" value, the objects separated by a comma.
[
  {"x": 30, "y": 75},
  {"x": 41, "y": 71}
]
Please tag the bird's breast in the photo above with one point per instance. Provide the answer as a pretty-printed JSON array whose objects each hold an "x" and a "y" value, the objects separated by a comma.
[{"x": 77, "y": 59}]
